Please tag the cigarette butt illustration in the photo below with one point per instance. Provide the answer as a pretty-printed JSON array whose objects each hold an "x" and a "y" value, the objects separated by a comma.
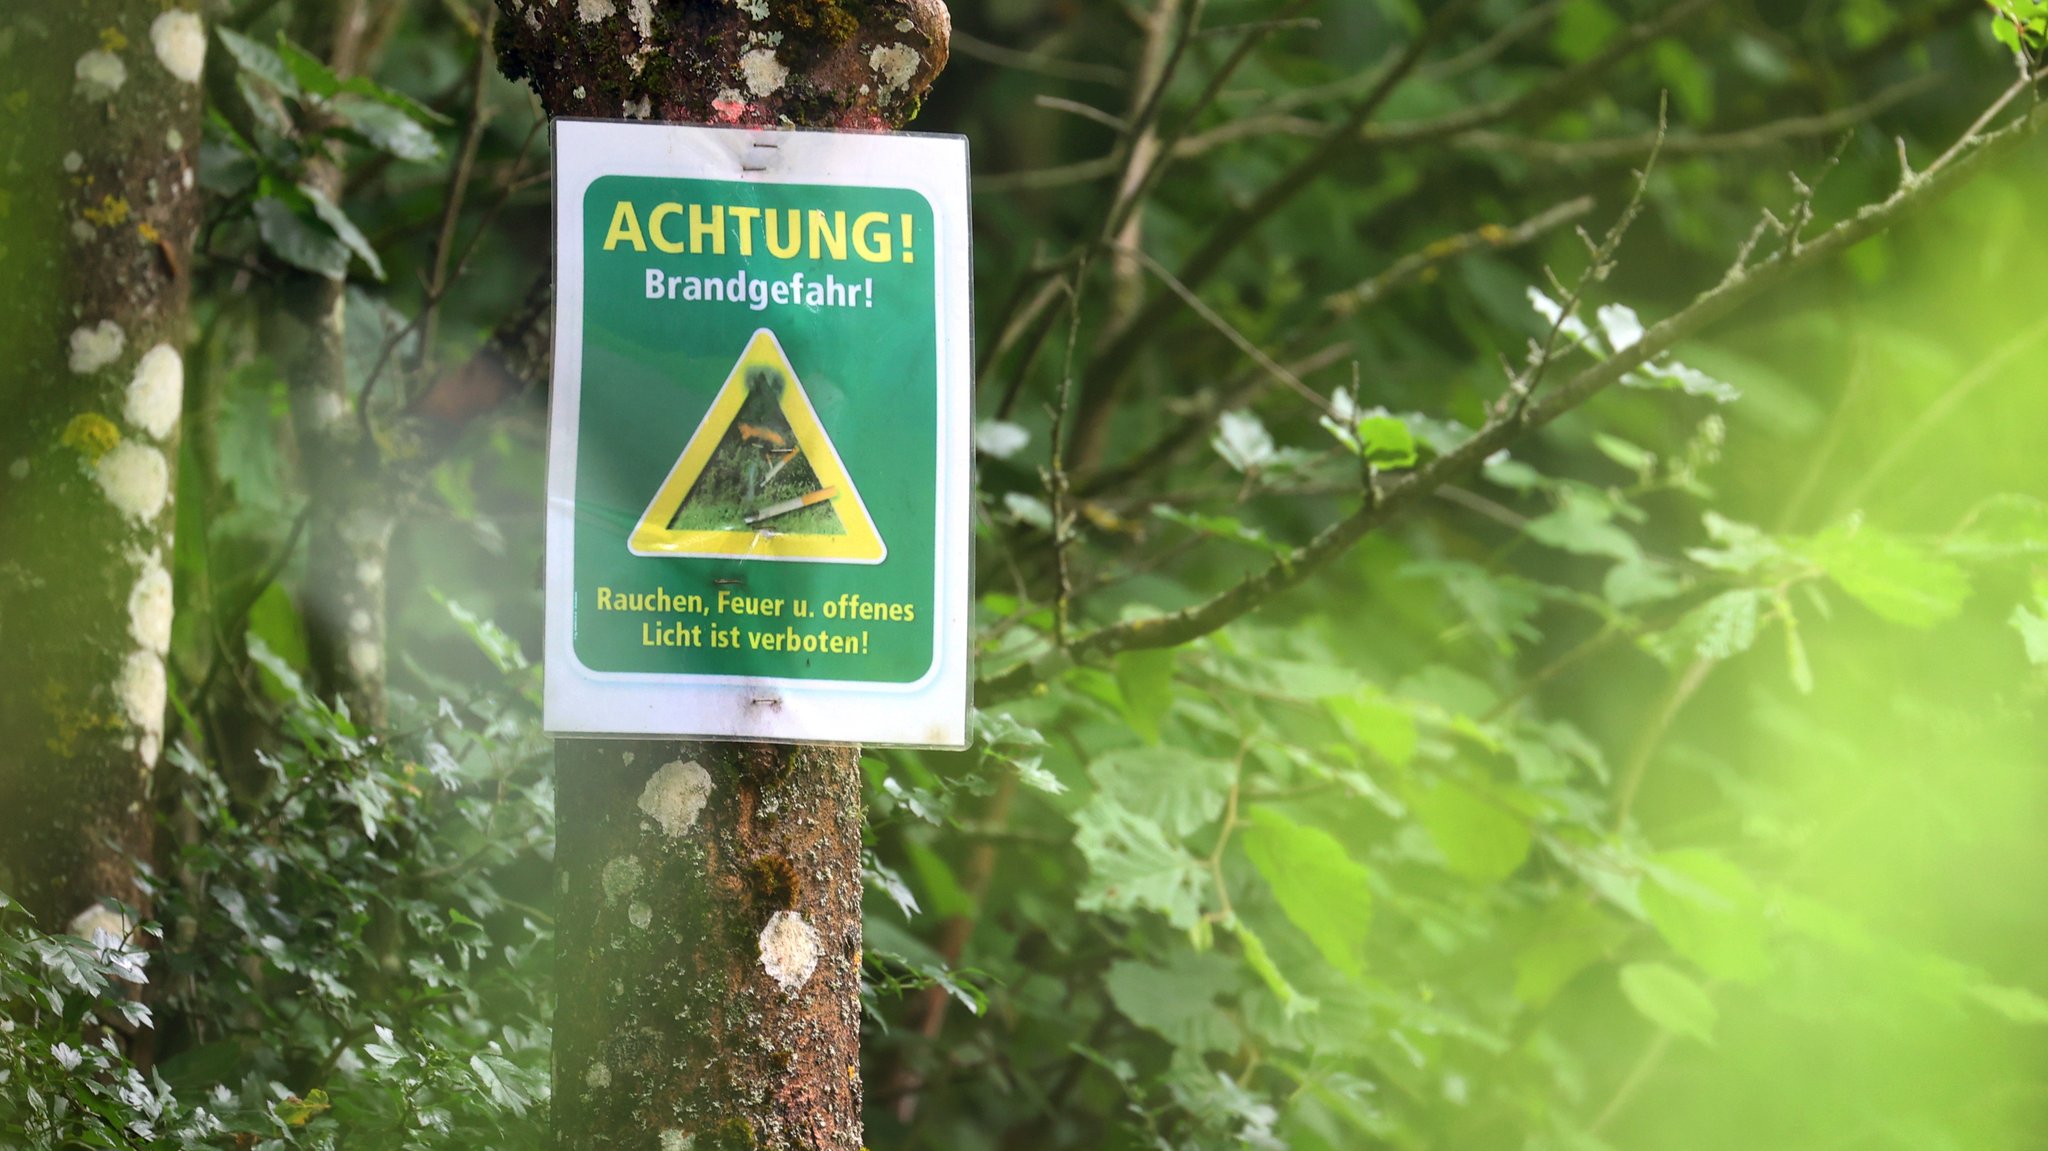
[{"x": 788, "y": 506}]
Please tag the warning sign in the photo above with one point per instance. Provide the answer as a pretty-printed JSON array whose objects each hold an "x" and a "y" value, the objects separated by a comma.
[
  {"x": 760, "y": 479},
  {"x": 760, "y": 439}
]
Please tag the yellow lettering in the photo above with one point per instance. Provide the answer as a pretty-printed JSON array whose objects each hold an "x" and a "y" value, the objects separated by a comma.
[
  {"x": 626, "y": 227},
  {"x": 654, "y": 232},
  {"x": 712, "y": 229},
  {"x": 795, "y": 225},
  {"x": 870, "y": 240},
  {"x": 833, "y": 237},
  {"x": 743, "y": 218}
]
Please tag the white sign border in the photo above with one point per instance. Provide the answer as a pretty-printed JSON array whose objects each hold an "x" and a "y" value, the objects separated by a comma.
[{"x": 933, "y": 712}]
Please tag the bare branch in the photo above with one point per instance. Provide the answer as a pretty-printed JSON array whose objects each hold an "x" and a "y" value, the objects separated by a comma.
[
  {"x": 1038, "y": 62},
  {"x": 1489, "y": 237},
  {"x": 1757, "y": 138}
]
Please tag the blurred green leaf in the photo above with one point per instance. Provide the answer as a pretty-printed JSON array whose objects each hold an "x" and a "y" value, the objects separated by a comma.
[
  {"x": 1478, "y": 837},
  {"x": 1667, "y": 998},
  {"x": 1325, "y": 893}
]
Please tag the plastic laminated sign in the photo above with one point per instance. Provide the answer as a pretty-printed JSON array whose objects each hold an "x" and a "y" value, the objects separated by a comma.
[{"x": 760, "y": 446}]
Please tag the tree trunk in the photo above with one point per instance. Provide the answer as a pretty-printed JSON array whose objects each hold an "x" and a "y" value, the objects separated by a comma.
[
  {"x": 97, "y": 217},
  {"x": 351, "y": 515},
  {"x": 708, "y": 952}
]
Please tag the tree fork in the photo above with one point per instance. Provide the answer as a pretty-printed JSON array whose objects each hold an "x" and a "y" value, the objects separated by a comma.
[
  {"x": 95, "y": 251},
  {"x": 709, "y": 948}
]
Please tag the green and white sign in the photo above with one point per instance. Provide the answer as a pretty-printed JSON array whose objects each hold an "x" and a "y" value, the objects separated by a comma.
[{"x": 760, "y": 466}]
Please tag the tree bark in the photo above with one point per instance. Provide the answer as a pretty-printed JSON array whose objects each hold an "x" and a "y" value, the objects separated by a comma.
[
  {"x": 709, "y": 948},
  {"x": 97, "y": 216},
  {"x": 351, "y": 514}
]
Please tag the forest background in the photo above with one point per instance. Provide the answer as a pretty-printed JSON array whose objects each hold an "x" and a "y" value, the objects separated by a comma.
[{"x": 1391, "y": 734}]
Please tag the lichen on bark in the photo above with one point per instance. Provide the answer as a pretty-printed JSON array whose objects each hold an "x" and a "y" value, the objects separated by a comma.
[{"x": 94, "y": 242}]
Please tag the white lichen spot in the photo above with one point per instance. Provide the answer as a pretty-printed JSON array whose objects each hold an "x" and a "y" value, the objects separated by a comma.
[
  {"x": 157, "y": 393},
  {"x": 620, "y": 877},
  {"x": 83, "y": 232},
  {"x": 180, "y": 42},
  {"x": 673, "y": 1140},
  {"x": 329, "y": 409},
  {"x": 789, "y": 950},
  {"x": 579, "y": 93},
  {"x": 365, "y": 656},
  {"x": 904, "y": 25},
  {"x": 99, "y": 74},
  {"x": 73, "y": 161},
  {"x": 149, "y": 607},
  {"x": 755, "y": 9},
  {"x": 598, "y": 1077},
  {"x": 640, "y": 109},
  {"x": 18, "y": 470},
  {"x": 101, "y": 926},
  {"x": 676, "y": 795},
  {"x": 368, "y": 572},
  {"x": 763, "y": 73},
  {"x": 174, "y": 140},
  {"x": 135, "y": 479},
  {"x": 93, "y": 348},
  {"x": 143, "y": 692},
  {"x": 641, "y": 13},
  {"x": 896, "y": 64},
  {"x": 359, "y": 620},
  {"x": 628, "y": 759},
  {"x": 591, "y": 11},
  {"x": 639, "y": 914}
]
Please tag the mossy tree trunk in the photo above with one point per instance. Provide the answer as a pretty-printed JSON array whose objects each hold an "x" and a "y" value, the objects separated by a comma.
[
  {"x": 709, "y": 946},
  {"x": 98, "y": 209}
]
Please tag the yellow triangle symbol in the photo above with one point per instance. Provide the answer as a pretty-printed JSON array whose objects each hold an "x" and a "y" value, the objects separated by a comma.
[{"x": 722, "y": 497}]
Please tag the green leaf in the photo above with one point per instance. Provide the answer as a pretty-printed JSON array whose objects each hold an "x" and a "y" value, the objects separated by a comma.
[
  {"x": 1709, "y": 911},
  {"x": 1572, "y": 936},
  {"x": 344, "y": 228},
  {"x": 1145, "y": 678},
  {"x": 1667, "y": 998},
  {"x": 311, "y": 74},
  {"x": 1898, "y": 580},
  {"x": 1178, "y": 790},
  {"x": 296, "y": 1112},
  {"x": 258, "y": 59},
  {"x": 2033, "y": 631},
  {"x": 1379, "y": 722},
  {"x": 1178, "y": 1001},
  {"x": 1721, "y": 628},
  {"x": 1323, "y": 891},
  {"x": 386, "y": 128},
  {"x": 1628, "y": 455},
  {"x": 1386, "y": 442},
  {"x": 1638, "y": 581},
  {"x": 1479, "y": 839},
  {"x": 1132, "y": 865},
  {"x": 1583, "y": 525},
  {"x": 300, "y": 240},
  {"x": 1583, "y": 27},
  {"x": 1227, "y": 528}
]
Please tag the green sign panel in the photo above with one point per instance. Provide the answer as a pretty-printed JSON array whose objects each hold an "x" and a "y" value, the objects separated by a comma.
[{"x": 761, "y": 460}]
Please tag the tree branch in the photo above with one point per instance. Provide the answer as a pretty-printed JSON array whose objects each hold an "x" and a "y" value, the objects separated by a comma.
[{"x": 1198, "y": 620}]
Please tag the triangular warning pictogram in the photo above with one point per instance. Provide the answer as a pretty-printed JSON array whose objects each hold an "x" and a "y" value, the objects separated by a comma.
[{"x": 759, "y": 478}]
